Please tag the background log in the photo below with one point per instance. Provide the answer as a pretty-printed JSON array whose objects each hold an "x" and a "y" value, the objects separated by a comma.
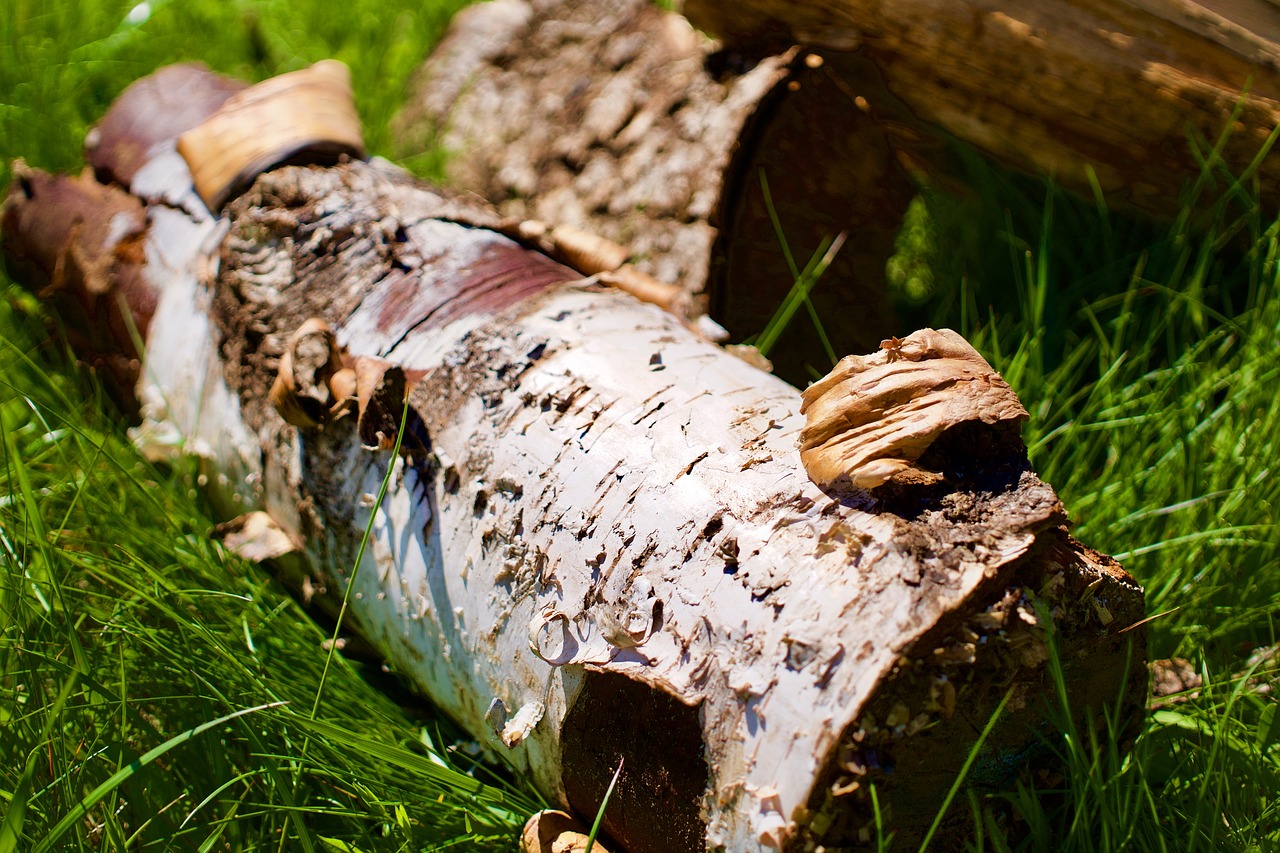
[
  {"x": 602, "y": 522},
  {"x": 1076, "y": 89},
  {"x": 619, "y": 118}
]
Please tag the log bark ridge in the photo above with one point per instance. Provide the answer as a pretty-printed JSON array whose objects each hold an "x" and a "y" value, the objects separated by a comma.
[{"x": 601, "y": 543}]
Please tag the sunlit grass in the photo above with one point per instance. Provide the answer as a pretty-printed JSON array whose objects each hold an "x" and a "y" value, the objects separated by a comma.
[{"x": 1149, "y": 358}]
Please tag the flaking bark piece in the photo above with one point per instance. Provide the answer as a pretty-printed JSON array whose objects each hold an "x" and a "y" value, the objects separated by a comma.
[
  {"x": 301, "y": 392},
  {"x": 154, "y": 111},
  {"x": 380, "y": 396},
  {"x": 553, "y": 831},
  {"x": 306, "y": 115},
  {"x": 256, "y": 537},
  {"x": 79, "y": 244},
  {"x": 70, "y": 232},
  {"x": 873, "y": 416}
]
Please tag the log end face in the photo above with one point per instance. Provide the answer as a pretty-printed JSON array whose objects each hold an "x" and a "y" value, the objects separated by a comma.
[
  {"x": 919, "y": 728},
  {"x": 656, "y": 805}
]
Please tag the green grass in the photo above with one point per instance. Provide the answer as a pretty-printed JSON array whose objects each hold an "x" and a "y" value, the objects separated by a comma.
[{"x": 1148, "y": 356}]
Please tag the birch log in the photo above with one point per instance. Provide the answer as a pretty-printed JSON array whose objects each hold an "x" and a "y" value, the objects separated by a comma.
[{"x": 600, "y": 542}]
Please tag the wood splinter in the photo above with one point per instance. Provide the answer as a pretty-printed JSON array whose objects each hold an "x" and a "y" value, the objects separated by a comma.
[{"x": 593, "y": 255}]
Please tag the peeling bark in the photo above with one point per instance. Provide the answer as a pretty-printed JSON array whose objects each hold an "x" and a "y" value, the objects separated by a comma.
[{"x": 600, "y": 543}]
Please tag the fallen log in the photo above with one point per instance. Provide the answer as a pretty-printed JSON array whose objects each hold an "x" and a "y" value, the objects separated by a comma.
[
  {"x": 600, "y": 543},
  {"x": 620, "y": 118}
]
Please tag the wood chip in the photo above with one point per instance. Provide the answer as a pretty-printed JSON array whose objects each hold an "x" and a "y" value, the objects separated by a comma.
[{"x": 552, "y": 831}]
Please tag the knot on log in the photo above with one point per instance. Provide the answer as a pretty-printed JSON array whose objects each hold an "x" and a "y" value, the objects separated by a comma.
[{"x": 872, "y": 417}]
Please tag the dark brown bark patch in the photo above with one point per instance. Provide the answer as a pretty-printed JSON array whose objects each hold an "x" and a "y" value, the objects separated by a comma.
[
  {"x": 80, "y": 244},
  {"x": 659, "y": 740},
  {"x": 156, "y": 109}
]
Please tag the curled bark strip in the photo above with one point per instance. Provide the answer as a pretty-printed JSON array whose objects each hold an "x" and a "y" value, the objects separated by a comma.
[
  {"x": 874, "y": 416},
  {"x": 302, "y": 393},
  {"x": 153, "y": 112},
  {"x": 309, "y": 112},
  {"x": 515, "y": 730},
  {"x": 342, "y": 390},
  {"x": 552, "y": 638},
  {"x": 380, "y": 395}
]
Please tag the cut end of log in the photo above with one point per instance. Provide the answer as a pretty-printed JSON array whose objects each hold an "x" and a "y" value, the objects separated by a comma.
[
  {"x": 306, "y": 115},
  {"x": 1061, "y": 599},
  {"x": 873, "y": 417}
]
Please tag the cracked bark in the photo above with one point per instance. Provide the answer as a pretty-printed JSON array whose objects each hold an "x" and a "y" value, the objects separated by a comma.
[{"x": 605, "y": 515}]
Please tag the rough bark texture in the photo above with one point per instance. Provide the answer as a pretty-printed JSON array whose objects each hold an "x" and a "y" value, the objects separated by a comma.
[
  {"x": 618, "y": 117},
  {"x": 1063, "y": 87},
  {"x": 602, "y": 523}
]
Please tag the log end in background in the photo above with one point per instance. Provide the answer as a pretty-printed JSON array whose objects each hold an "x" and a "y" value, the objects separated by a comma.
[{"x": 619, "y": 118}]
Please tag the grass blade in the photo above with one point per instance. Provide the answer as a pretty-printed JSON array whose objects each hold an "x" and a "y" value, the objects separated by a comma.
[{"x": 99, "y": 793}]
